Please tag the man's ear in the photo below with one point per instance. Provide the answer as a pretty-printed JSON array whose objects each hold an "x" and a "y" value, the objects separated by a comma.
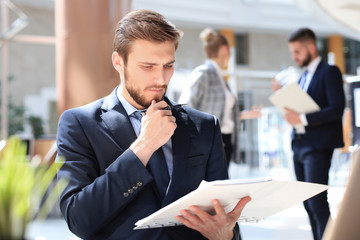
[
  {"x": 117, "y": 62},
  {"x": 313, "y": 48}
]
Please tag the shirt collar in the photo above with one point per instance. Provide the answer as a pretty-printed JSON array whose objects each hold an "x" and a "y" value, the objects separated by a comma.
[
  {"x": 127, "y": 106},
  {"x": 313, "y": 65},
  {"x": 215, "y": 65}
]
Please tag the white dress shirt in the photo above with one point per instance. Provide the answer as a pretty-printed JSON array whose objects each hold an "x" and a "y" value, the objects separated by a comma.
[
  {"x": 311, "y": 68},
  {"x": 227, "y": 124}
]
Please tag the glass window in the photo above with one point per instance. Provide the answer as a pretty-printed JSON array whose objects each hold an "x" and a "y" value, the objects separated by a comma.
[
  {"x": 352, "y": 55},
  {"x": 241, "y": 49},
  {"x": 322, "y": 48}
]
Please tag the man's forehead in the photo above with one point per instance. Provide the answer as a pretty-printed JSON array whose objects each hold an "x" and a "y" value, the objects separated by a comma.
[
  {"x": 150, "y": 52},
  {"x": 296, "y": 45}
]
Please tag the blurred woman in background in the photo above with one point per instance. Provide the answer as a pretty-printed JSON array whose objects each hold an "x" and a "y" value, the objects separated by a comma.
[{"x": 208, "y": 90}]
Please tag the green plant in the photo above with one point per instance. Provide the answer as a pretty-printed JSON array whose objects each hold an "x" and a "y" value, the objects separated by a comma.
[
  {"x": 24, "y": 189},
  {"x": 15, "y": 113},
  {"x": 36, "y": 125},
  {"x": 15, "y": 117}
]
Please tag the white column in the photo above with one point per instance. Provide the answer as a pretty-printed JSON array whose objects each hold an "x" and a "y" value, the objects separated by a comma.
[{"x": 4, "y": 71}]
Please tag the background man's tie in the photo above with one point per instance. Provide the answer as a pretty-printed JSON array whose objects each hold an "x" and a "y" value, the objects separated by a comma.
[{"x": 303, "y": 79}]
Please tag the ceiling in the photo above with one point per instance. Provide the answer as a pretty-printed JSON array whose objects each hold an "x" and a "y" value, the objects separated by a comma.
[
  {"x": 260, "y": 15},
  {"x": 323, "y": 16},
  {"x": 347, "y": 12}
]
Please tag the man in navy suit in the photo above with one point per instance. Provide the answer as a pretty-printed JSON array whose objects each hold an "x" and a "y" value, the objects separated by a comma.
[
  {"x": 316, "y": 135},
  {"x": 110, "y": 149}
]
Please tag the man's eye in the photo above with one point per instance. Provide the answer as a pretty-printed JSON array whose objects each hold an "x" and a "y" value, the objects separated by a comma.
[
  {"x": 169, "y": 66},
  {"x": 147, "y": 66}
]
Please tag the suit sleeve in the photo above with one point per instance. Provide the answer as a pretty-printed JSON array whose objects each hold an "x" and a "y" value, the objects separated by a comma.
[
  {"x": 333, "y": 96},
  {"x": 107, "y": 194}
]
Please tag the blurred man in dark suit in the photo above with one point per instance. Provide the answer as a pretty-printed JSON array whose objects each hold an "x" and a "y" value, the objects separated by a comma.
[{"x": 316, "y": 135}]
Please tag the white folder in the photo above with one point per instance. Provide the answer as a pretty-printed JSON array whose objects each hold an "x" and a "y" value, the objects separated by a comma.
[
  {"x": 292, "y": 96},
  {"x": 267, "y": 198}
]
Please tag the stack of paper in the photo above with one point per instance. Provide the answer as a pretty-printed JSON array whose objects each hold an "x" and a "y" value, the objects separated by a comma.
[{"x": 268, "y": 197}]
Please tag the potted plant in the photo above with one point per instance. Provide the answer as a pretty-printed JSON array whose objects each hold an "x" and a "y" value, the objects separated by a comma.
[{"x": 24, "y": 189}]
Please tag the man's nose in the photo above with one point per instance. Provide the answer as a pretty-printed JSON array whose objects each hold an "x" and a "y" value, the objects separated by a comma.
[{"x": 159, "y": 78}]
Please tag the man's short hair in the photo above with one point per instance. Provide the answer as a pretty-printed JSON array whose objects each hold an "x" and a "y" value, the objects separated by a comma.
[
  {"x": 144, "y": 25},
  {"x": 302, "y": 35}
]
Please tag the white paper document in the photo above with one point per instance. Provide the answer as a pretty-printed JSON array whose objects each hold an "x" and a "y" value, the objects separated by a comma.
[
  {"x": 267, "y": 198},
  {"x": 293, "y": 97}
]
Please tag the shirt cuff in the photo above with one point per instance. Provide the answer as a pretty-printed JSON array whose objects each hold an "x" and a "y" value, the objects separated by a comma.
[
  {"x": 303, "y": 120},
  {"x": 299, "y": 129}
]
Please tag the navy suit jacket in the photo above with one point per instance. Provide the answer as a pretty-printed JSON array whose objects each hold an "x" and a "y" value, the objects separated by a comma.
[
  {"x": 325, "y": 126},
  {"x": 110, "y": 189}
]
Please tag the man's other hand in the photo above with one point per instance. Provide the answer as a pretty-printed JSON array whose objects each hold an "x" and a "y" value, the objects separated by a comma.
[
  {"x": 214, "y": 227},
  {"x": 292, "y": 117}
]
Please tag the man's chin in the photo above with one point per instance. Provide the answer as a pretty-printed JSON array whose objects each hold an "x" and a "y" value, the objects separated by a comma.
[
  {"x": 300, "y": 64},
  {"x": 148, "y": 103},
  {"x": 158, "y": 98}
]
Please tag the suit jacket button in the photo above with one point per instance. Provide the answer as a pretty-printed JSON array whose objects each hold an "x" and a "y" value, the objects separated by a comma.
[
  {"x": 134, "y": 186},
  {"x": 139, "y": 183},
  {"x": 130, "y": 190},
  {"x": 126, "y": 194}
]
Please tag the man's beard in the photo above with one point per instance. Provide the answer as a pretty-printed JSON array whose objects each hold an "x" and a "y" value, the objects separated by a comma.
[
  {"x": 138, "y": 97},
  {"x": 307, "y": 61}
]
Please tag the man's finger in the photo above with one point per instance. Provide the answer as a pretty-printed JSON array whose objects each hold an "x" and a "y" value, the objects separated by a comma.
[
  {"x": 184, "y": 221},
  {"x": 157, "y": 105},
  {"x": 219, "y": 209},
  {"x": 201, "y": 214},
  {"x": 240, "y": 205},
  {"x": 190, "y": 217},
  {"x": 290, "y": 110},
  {"x": 172, "y": 119},
  {"x": 166, "y": 112}
]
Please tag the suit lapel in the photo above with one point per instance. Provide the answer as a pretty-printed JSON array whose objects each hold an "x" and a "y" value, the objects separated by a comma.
[
  {"x": 181, "y": 141},
  {"x": 118, "y": 122},
  {"x": 116, "y": 119}
]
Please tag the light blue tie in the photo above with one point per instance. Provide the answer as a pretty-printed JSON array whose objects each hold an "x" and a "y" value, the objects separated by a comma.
[
  {"x": 157, "y": 166},
  {"x": 303, "y": 79}
]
